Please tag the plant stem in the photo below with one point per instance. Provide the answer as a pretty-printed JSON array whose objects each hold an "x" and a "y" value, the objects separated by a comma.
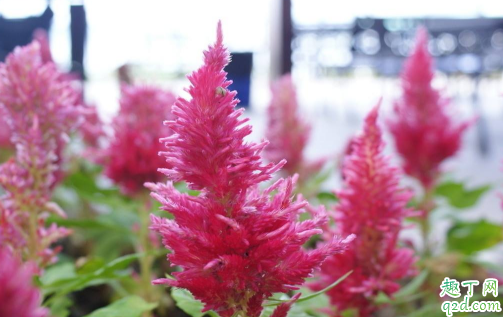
[
  {"x": 33, "y": 236},
  {"x": 426, "y": 205},
  {"x": 146, "y": 260}
]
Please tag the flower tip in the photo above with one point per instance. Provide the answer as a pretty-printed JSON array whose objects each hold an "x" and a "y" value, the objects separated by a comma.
[
  {"x": 282, "y": 309},
  {"x": 220, "y": 37},
  {"x": 349, "y": 238},
  {"x": 422, "y": 37},
  {"x": 372, "y": 116}
]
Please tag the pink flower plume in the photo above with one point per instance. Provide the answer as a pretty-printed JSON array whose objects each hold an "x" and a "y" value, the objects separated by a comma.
[
  {"x": 425, "y": 136},
  {"x": 132, "y": 157},
  {"x": 287, "y": 132},
  {"x": 235, "y": 244},
  {"x": 373, "y": 206}
]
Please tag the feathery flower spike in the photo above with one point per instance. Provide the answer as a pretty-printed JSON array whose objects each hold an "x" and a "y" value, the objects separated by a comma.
[
  {"x": 424, "y": 134},
  {"x": 373, "y": 206},
  {"x": 40, "y": 107},
  {"x": 287, "y": 132},
  {"x": 132, "y": 157},
  {"x": 235, "y": 244}
]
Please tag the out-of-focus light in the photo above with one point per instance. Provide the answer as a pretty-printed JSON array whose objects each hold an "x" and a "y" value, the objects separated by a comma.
[
  {"x": 332, "y": 57},
  {"x": 447, "y": 43},
  {"x": 497, "y": 39},
  {"x": 433, "y": 47},
  {"x": 467, "y": 38},
  {"x": 492, "y": 62},
  {"x": 366, "y": 23},
  {"x": 392, "y": 39},
  {"x": 469, "y": 63},
  {"x": 368, "y": 42},
  {"x": 394, "y": 25}
]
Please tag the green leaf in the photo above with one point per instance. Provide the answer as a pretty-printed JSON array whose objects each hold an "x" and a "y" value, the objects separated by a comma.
[
  {"x": 131, "y": 306},
  {"x": 58, "y": 272},
  {"x": 413, "y": 286},
  {"x": 83, "y": 183},
  {"x": 109, "y": 272},
  {"x": 458, "y": 196},
  {"x": 327, "y": 197},
  {"x": 471, "y": 237},
  {"x": 186, "y": 302},
  {"x": 61, "y": 307}
]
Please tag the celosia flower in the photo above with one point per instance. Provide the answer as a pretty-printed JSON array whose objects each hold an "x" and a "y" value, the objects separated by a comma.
[
  {"x": 132, "y": 158},
  {"x": 373, "y": 206},
  {"x": 33, "y": 92},
  {"x": 424, "y": 133},
  {"x": 40, "y": 107},
  {"x": 287, "y": 132},
  {"x": 236, "y": 245},
  {"x": 18, "y": 296}
]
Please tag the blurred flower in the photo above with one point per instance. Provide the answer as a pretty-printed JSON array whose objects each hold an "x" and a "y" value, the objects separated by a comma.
[
  {"x": 32, "y": 93},
  {"x": 18, "y": 296},
  {"x": 287, "y": 132},
  {"x": 92, "y": 129},
  {"x": 236, "y": 245},
  {"x": 424, "y": 133},
  {"x": 373, "y": 206},
  {"x": 40, "y": 36},
  {"x": 41, "y": 107},
  {"x": 132, "y": 158}
]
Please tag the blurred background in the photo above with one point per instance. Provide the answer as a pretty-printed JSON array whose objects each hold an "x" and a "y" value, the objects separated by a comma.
[{"x": 343, "y": 57}]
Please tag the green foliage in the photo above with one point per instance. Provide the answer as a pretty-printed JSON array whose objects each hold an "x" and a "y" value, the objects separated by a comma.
[
  {"x": 327, "y": 198},
  {"x": 295, "y": 310},
  {"x": 63, "y": 278},
  {"x": 313, "y": 306},
  {"x": 61, "y": 307},
  {"x": 458, "y": 196},
  {"x": 470, "y": 237},
  {"x": 131, "y": 306},
  {"x": 186, "y": 302}
]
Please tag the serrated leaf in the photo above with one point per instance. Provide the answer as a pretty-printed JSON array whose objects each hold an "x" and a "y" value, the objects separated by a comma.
[
  {"x": 458, "y": 196},
  {"x": 471, "y": 237},
  {"x": 131, "y": 306}
]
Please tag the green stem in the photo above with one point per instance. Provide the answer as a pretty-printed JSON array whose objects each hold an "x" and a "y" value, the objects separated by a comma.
[
  {"x": 33, "y": 236},
  {"x": 146, "y": 260},
  {"x": 426, "y": 205}
]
